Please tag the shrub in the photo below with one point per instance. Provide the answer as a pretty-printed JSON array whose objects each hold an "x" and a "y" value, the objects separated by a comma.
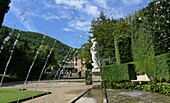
[{"x": 163, "y": 88}]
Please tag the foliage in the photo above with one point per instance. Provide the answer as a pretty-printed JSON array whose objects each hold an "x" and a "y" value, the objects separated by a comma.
[
  {"x": 125, "y": 52},
  {"x": 137, "y": 38},
  {"x": 163, "y": 88},
  {"x": 145, "y": 66},
  {"x": 142, "y": 46},
  {"x": 114, "y": 72},
  {"x": 4, "y": 7},
  {"x": 157, "y": 13},
  {"x": 118, "y": 73},
  {"x": 101, "y": 29},
  {"x": 162, "y": 67},
  {"x": 85, "y": 55},
  {"x": 156, "y": 67},
  {"x": 8, "y": 78},
  {"x": 122, "y": 41},
  {"x": 116, "y": 50},
  {"x": 131, "y": 71},
  {"x": 88, "y": 77},
  {"x": 25, "y": 51}
]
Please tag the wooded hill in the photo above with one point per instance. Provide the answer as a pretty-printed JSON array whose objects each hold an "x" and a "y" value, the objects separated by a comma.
[{"x": 25, "y": 51}]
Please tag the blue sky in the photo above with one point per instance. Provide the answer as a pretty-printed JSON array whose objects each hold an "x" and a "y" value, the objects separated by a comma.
[{"x": 66, "y": 20}]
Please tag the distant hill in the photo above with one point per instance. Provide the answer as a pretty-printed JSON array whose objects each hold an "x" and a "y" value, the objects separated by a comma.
[
  {"x": 25, "y": 51},
  {"x": 34, "y": 39}
]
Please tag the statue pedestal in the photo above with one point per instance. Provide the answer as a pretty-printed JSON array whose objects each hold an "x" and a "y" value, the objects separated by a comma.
[
  {"x": 96, "y": 77},
  {"x": 96, "y": 71}
]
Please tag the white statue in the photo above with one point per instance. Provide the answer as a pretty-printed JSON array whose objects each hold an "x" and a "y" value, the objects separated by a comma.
[{"x": 95, "y": 55}]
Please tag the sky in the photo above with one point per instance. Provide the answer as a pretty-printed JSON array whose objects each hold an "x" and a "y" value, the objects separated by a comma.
[{"x": 68, "y": 21}]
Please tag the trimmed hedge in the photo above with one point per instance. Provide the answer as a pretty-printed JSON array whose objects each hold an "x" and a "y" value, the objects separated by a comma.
[
  {"x": 162, "y": 67},
  {"x": 156, "y": 67},
  {"x": 118, "y": 73},
  {"x": 115, "y": 72},
  {"x": 145, "y": 66}
]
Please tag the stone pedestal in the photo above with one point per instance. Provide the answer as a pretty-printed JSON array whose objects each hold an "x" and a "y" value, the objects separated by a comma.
[{"x": 96, "y": 77}]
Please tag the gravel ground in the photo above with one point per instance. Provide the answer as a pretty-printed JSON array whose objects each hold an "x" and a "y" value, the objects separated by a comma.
[{"x": 62, "y": 91}]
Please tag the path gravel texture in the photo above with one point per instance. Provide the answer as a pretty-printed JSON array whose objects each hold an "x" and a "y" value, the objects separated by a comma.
[{"x": 63, "y": 91}]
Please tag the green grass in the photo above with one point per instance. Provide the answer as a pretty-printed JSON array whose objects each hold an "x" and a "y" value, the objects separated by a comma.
[{"x": 13, "y": 94}]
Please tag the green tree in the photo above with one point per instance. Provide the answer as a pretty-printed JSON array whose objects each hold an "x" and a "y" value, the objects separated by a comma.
[
  {"x": 157, "y": 13},
  {"x": 122, "y": 41},
  {"x": 102, "y": 28},
  {"x": 4, "y": 7},
  {"x": 85, "y": 54}
]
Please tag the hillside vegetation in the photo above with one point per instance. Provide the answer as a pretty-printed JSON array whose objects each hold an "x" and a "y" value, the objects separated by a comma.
[{"x": 25, "y": 51}]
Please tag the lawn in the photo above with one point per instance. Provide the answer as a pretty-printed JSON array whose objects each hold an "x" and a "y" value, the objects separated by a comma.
[{"x": 12, "y": 94}]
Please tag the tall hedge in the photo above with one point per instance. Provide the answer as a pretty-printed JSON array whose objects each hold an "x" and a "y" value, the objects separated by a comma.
[
  {"x": 142, "y": 44},
  {"x": 143, "y": 49},
  {"x": 118, "y": 73},
  {"x": 162, "y": 67}
]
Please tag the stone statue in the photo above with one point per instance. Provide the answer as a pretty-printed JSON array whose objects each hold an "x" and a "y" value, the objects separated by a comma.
[{"x": 95, "y": 55}]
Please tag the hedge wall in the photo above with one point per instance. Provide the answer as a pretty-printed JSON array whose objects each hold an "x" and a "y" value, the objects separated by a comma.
[
  {"x": 157, "y": 67},
  {"x": 162, "y": 67},
  {"x": 118, "y": 73},
  {"x": 142, "y": 45},
  {"x": 145, "y": 66}
]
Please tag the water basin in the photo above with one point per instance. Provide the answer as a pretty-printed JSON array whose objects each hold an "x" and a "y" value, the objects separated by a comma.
[{"x": 135, "y": 96}]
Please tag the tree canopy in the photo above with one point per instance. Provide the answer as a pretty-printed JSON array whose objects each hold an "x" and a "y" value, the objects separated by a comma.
[
  {"x": 4, "y": 7},
  {"x": 133, "y": 38}
]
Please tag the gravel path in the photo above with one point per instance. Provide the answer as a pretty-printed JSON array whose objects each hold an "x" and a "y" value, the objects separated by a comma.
[{"x": 62, "y": 92}]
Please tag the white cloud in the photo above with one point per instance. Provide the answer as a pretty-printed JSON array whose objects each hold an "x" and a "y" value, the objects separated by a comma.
[
  {"x": 65, "y": 15},
  {"x": 67, "y": 29},
  {"x": 79, "y": 25},
  {"x": 74, "y": 3},
  {"x": 92, "y": 10},
  {"x": 131, "y": 2},
  {"x": 101, "y": 3},
  {"x": 49, "y": 16},
  {"x": 81, "y": 6},
  {"x": 52, "y": 17},
  {"x": 49, "y": 5}
]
